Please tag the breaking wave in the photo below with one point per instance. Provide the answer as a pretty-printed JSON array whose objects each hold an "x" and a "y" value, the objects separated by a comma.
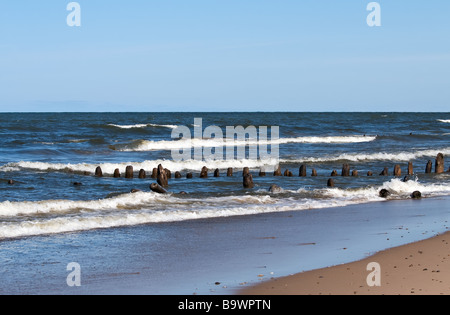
[
  {"x": 142, "y": 126},
  {"x": 108, "y": 168},
  {"x": 379, "y": 156},
  {"x": 194, "y": 165},
  {"x": 148, "y": 145},
  {"x": 62, "y": 216}
]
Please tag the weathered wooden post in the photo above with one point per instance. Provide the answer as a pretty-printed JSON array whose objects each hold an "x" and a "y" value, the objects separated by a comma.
[
  {"x": 142, "y": 174},
  {"x": 204, "y": 172},
  {"x": 98, "y": 172},
  {"x": 345, "y": 170},
  {"x": 302, "y": 171},
  {"x": 161, "y": 178},
  {"x": 440, "y": 168},
  {"x": 129, "y": 172},
  {"x": 429, "y": 167},
  {"x": 410, "y": 168},
  {"x": 330, "y": 183},
  {"x": 397, "y": 170},
  {"x": 248, "y": 181},
  {"x": 277, "y": 171},
  {"x": 157, "y": 188}
]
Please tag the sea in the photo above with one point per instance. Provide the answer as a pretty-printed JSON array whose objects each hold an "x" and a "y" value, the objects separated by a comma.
[{"x": 49, "y": 191}]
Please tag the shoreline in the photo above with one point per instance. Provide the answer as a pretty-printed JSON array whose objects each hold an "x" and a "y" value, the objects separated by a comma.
[
  {"x": 219, "y": 256},
  {"x": 419, "y": 268}
]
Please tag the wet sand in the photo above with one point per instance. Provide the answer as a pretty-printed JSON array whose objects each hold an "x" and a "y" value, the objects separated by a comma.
[{"x": 420, "y": 268}]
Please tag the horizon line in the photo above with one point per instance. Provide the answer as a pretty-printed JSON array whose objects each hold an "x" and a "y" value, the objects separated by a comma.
[{"x": 218, "y": 112}]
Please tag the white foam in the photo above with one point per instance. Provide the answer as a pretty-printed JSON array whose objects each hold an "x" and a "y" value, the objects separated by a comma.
[
  {"x": 60, "y": 216},
  {"x": 404, "y": 189},
  {"x": 137, "y": 126},
  {"x": 379, "y": 156},
  {"x": 127, "y": 201},
  {"x": 108, "y": 168},
  {"x": 447, "y": 121},
  {"x": 196, "y": 209},
  {"x": 331, "y": 140},
  {"x": 7, "y": 168},
  {"x": 193, "y": 165},
  {"x": 148, "y": 145},
  {"x": 78, "y": 140}
]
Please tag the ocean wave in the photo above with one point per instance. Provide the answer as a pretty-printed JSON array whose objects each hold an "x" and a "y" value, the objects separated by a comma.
[
  {"x": 109, "y": 168},
  {"x": 397, "y": 187},
  {"x": 403, "y": 189},
  {"x": 78, "y": 140},
  {"x": 147, "y": 201},
  {"x": 124, "y": 210},
  {"x": 148, "y": 145},
  {"x": 194, "y": 165},
  {"x": 122, "y": 202},
  {"x": 60, "y": 216},
  {"x": 379, "y": 156},
  {"x": 153, "y": 201},
  {"x": 136, "y": 126},
  {"x": 447, "y": 121},
  {"x": 73, "y": 217}
]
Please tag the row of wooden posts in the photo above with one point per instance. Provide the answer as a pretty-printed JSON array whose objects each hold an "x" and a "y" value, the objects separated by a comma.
[
  {"x": 346, "y": 171},
  {"x": 162, "y": 175}
]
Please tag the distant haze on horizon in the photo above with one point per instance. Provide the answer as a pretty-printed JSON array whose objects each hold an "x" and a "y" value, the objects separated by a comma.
[{"x": 233, "y": 56}]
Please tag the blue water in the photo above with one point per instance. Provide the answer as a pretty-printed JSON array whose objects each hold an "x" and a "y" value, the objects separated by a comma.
[
  {"x": 61, "y": 142},
  {"x": 46, "y": 153}
]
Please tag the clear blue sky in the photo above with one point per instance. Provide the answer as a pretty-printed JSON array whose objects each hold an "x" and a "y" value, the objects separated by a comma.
[{"x": 224, "y": 55}]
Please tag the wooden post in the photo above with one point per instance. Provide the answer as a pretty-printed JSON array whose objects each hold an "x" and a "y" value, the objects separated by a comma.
[
  {"x": 204, "y": 172},
  {"x": 129, "y": 172},
  {"x": 157, "y": 188},
  {"x": 98, "y": 172},
  {"x": 142, "y": 174},
  {"x": 429, "y": 167},
  {"x": 440, "y": 168},
  {"x": 277, "y": 171},
  {"x": 161, "y": 178},
  {"x": 410, "y": 168},
  {"x": 345, "y": 170},
  {"x": 397, "y": 170},
  {"x": 302, "y": 171},
  {"x": 385, "y": 172},
  {"x": 248, "y": 181}
]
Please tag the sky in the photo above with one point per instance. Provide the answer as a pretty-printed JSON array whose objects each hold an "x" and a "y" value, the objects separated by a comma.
[{"x": 233, "y": 55}]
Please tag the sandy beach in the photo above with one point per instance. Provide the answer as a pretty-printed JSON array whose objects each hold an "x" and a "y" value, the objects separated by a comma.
[{"x": 420, "y": 268}]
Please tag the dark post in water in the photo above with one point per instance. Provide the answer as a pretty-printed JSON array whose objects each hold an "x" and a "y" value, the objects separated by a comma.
[{"x": 440, "y": 168}]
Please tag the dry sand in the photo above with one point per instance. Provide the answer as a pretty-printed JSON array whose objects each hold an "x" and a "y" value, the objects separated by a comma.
[{"x": 421, "y": 268}]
